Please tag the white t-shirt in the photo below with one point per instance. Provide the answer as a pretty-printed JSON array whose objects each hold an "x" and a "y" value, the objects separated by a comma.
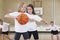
[
  {"x": 32, "y": 25},
  {"x": 5, "y": 27},
  {"x": 54, "y": 27},
  {"x": 18, "y": 27}
]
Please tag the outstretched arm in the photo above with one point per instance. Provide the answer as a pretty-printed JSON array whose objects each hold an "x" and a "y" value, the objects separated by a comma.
[
  {"x": 48, "y": 29},
  {"x": 9, "y": 16},
  {"x": 44, "y": 21}
]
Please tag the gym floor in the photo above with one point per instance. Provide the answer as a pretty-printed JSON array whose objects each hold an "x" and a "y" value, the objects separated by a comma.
[{"x": 42, "y": 36}]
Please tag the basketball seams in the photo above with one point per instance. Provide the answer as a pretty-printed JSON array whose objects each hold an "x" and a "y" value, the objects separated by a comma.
[{"x": 22, "y": 18}]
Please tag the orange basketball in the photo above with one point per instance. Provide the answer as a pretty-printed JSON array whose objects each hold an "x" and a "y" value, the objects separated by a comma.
[{"x": 22, "y": 19}]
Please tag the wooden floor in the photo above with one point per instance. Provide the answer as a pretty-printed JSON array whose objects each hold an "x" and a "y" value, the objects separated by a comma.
[{"x": 42, "y": 36}]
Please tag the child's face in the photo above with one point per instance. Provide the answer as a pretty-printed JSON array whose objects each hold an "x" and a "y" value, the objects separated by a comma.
[
  {"x": 29, "y": 9},
  {"x": 23, "y": 9},
  {"x": 51, "y": 23}
]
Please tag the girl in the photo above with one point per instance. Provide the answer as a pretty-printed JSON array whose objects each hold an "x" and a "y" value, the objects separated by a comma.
[
  {"x": 20, "y": 29},
  {"x": 5, "y": 27},
  {"x": 54, "y": 30},
  {"x": 32, "y": 24}
]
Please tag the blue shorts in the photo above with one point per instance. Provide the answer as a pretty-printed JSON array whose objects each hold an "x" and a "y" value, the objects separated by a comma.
[
  {"x": 34, "y": 33},
  {"x": 18, "y": 35}
]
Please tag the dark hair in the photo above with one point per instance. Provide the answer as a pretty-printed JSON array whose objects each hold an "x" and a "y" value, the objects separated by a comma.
[
  {"x": 52, "y": 22},
  {"x": 30, "y": 5}
]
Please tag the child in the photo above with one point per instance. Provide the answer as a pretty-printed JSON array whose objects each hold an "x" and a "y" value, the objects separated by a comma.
[
  {"x": 1, "y": 25},
  {"x": 4, "y": 27},
  {"x": 19, "y": 29},
  {"x": 54, "y": 30},
  {"x": 32, "y": 24}
]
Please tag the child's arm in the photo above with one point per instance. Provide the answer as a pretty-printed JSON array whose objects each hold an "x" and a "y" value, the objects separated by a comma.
[
  {"x": 0, "y": 28},
  {"x": 8, "y": 25},
  {"x": 44, "y": 22},
  {"x": 39, "y": 19},
  {"x": 59, "y": 28},
  {"x": 48, "y": 29},
  {"x": 9, "y": 16}
]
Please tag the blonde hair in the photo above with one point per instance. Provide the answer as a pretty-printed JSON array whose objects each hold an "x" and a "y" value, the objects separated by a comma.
[{"x": 21, "y": 5}]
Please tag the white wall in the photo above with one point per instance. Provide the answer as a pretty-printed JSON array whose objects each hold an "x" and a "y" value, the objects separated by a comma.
[{"x": 40, "y": 28}]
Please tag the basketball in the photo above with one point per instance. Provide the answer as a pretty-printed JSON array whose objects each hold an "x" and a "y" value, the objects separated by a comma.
[{"x": 22, "y": 19}]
